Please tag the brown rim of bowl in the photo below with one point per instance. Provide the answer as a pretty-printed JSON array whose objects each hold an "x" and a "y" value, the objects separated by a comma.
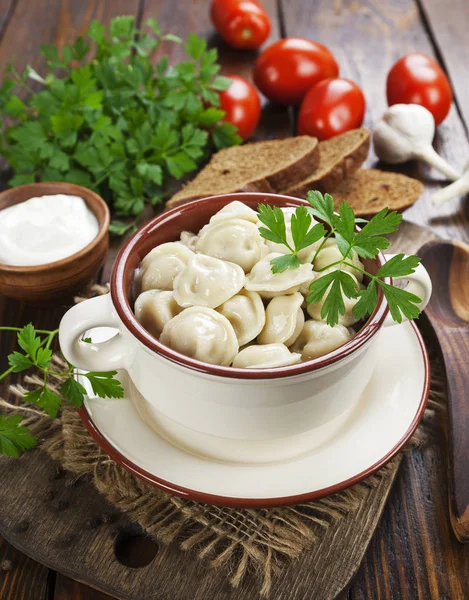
[
  {"x": 125, "y": 312},
  {"x": 198, "y": 496},
  {"x": 77, "y": 190}
]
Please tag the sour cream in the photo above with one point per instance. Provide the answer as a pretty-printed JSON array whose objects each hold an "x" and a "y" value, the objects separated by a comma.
[{"x": 45, "y": 229}]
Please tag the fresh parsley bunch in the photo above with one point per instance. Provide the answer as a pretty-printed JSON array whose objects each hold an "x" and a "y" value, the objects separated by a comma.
[
  {"x": 366, "y": 243},
  {"x": 37, "y": 354},
  {"x": 115, "y": 122}
]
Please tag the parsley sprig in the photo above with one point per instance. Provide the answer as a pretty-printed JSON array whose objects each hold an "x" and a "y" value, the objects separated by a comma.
[
  {"x": 37, "y": 354},
  {"x": 302, "y": 234},
  {"x": 115, "y": 120},
  {"x": 366, "y": 243}
]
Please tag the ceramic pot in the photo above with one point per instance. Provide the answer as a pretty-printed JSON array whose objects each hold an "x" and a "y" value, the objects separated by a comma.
[{"x": 240, "y": 404}]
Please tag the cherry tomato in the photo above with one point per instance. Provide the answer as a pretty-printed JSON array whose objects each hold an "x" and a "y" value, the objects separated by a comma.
[
  {"x": 418, "y": 79},
  {"x": 242, "y": 105},
  {"x": 287, "y": 69},
  {"x": 331, "y": 107},
  {"x": 243, "y": 24}
]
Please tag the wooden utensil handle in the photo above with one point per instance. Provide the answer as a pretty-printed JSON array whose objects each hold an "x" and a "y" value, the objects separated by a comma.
[{"x": 456, "y": 351}]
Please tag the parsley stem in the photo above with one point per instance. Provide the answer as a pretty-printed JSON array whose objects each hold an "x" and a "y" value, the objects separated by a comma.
[
  {"x": 6, "y": 373},
  {"x": 52, "y": 335},
  {"x": 321, "y": 245},
  {"x": 45, "y": 331}
]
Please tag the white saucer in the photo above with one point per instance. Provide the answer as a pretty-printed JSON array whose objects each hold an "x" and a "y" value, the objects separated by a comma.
[{"x": 385, "y": 417}]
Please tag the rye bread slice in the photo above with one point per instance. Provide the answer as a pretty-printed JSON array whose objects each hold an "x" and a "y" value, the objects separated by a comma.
[
  {"x": 255, "y": 167},
  {"x": 339, "y": 158},
  {"x": 368, "y": 191}
]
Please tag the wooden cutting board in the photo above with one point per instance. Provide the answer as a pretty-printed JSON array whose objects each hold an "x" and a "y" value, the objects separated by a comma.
[{"x": 71, "y": 529}]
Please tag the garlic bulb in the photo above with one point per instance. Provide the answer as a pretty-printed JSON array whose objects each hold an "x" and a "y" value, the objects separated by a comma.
[{"x": 405, "y": 132}]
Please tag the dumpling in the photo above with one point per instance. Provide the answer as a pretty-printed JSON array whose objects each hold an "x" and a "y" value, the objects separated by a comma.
[
  {"x": 160, "y": 266},
  {"x": 154, "y": 308},
  {"x": 268, "y": 284},
  {"x": 235, "y": 240},
  {"x": 305, "y": 254},
  {"x": 203, "y": 334},
  {"x": 348, "y": 318},
  {"x": 265, "y": 357},
  {"x": 235, "y": 210},
  {"x": 331, "y": 254},
  {"x": 189, "y": 239},
  {"x": 246, "y": 313},
  {"x": 318, "y": 338},
  {"x": 284, "y": 320},
  {"x": 207, "y": 281}
]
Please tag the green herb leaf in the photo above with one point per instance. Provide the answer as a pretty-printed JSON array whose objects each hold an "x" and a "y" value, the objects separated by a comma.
[
  {"x": 302, "y": 235},
  {"x": 49, "y": 402},
  {"x": 322, "y": 206},
  {"x": 19, "y": 362},
  {"x": 369, "y": 241},
  {"x": 399, "y": 266},
  {"x": 400, "y": 302},
  {"x": 284, "y": 262},
  {"x": 367, "y": 301},
  {"x": 14, "y": 438},
  {"x": 43, "y": 358},
  {"x": 73, "y": 391},
  {"x": 105, "y": 385},
  {"x": 274, "y": 221},
  {"x": 29, "y": 340}
]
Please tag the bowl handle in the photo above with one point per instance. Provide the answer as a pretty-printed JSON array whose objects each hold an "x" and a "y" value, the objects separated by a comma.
[
  {"x": 105, "y": 356},
  {"x": 419, "y": 283}
]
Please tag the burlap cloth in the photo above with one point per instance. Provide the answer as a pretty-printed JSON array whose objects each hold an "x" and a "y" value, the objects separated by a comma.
[{"x": 236, "y": 540}]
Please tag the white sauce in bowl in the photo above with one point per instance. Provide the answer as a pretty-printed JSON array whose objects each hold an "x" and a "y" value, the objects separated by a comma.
[{"x": 45, "y": 229}]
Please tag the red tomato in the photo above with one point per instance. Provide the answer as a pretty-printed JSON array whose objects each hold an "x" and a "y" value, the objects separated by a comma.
[
  {"x": 243, "y": 24},
  {"x": 331, "y": 107},
  {"x": 287, "y": 69},
  {"x": 242, "y": 105},
  {"x": 418, "y": 79}
]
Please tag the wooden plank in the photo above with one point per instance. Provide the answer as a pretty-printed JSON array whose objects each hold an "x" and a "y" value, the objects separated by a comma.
[
  {"x": 414, "y": 553},
  {"x": 58, "y": 21},
  {"x": 367, "y": 38},
  {"x": 20, "y": 577},
  {"x": 6, "y": 9},
  {"x": 448, "y": 22},
  {"x": 68, "y": 589}
]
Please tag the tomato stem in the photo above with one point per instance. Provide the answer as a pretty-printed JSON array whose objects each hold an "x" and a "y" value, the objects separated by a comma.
[{"x": 246, "y": 34}]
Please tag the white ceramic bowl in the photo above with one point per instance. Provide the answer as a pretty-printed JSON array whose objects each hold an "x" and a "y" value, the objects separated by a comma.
[{"x": 240, "y": 404}]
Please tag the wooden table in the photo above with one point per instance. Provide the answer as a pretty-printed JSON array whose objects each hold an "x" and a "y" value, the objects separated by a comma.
[{"x": 414, "y": 554}]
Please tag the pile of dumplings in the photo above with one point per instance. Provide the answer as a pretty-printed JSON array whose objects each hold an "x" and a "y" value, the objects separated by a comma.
[{"x": 212, "y": 296}]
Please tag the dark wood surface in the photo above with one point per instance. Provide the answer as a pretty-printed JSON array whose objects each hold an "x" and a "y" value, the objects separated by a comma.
[
  {"x": 414, "y": 553},
  {"x": 448, "y": 265}
]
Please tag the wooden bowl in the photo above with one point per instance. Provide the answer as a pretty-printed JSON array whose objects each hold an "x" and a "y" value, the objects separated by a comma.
[{"x": 54, "y": 282}]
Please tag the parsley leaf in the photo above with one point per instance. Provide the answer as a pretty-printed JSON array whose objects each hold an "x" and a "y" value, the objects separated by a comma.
[
  {"x": 19, "y": 362},
  {"x": 49, "y": 402},
  {"x": 105, "y": 385},
  {"x": 367, "y": 301},
  {"x": 322, "y": 206},
  {"x": 29, "y": 341},
  {"x": 302, "y": 235},
  {"x": 73, "y": 391},
  {"x": 400, "y": 302},
  {"x": 369, "y": 241},
  {"x": 14, "y": 438},
  {"x": 399, "y": 266},
  {"x": 274, "y": 221},
  {"x": 284, "y": 262}
]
